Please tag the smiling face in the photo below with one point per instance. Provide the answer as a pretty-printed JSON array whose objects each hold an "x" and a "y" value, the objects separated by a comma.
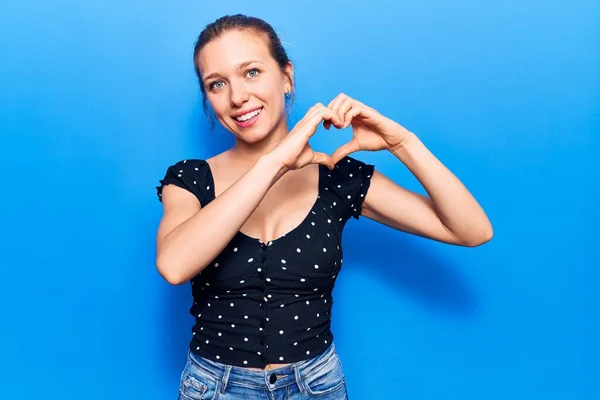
[{"x": 244, "y": 85}]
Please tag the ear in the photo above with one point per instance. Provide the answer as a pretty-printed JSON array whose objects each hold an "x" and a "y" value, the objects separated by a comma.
[{"x": 289, "y": 75}]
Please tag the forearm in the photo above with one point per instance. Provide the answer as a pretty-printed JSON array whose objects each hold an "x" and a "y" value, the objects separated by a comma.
[
  {"x": 456, "y": 208},
  {"x": 190, "y": 246}
]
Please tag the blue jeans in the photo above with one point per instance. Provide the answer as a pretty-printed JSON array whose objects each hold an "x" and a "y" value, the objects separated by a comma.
[{"x": 320, "y": 377}]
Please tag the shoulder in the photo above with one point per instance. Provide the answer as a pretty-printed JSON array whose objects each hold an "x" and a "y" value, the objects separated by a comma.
[
  {"x": 195, "y": 168},
  {"x": 189, "y": 174},
  {"x": 351, "y": 169},
  {"x": 349, "y": 182},
  {"x": 188, "y": 165},
  {"x": 351, "y": 163}
]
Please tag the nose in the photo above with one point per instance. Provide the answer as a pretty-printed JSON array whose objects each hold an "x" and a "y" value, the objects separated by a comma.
[{"x": 239, "y": 95}]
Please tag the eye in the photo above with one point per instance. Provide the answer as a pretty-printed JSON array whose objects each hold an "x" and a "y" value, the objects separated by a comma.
[
  {"x": 252, "y": 73},
  {"x": 212, "y": 85},
  {"x": 253, "y": 70}
]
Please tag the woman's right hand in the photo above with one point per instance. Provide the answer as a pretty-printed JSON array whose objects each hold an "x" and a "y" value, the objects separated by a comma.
[{"x": 294, "y": 152}]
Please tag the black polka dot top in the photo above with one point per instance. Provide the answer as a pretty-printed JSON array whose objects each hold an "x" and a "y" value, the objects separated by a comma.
[{"x": 296, "y": 273}]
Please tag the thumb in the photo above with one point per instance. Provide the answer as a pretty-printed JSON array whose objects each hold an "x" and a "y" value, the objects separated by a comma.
[
  {"x": 322, "y": 158},
  {"x": 344, "y": 150}
]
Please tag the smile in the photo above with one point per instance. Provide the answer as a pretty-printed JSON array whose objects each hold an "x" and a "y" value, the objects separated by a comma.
[
  {"x": 249, "y": 119},
  {"x": 248, "y": 116}
]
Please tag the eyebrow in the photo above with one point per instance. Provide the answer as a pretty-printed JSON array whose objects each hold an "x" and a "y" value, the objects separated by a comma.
[{"x": 238, "y": 67}]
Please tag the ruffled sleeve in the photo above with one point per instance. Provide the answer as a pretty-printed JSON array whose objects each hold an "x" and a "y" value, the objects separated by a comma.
[
  {"x": 350, "y": 182},
  {"x": 190, "y": 175}
]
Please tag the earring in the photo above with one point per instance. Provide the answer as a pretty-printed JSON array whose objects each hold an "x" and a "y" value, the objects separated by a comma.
[{"x": 288, "y": 95}]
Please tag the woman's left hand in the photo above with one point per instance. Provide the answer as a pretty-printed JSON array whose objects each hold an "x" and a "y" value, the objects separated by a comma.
[{"x": 371, "y": 130}]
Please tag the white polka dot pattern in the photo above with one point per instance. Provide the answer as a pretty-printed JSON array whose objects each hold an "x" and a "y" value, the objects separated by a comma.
[{"x": 271, "y": 302}]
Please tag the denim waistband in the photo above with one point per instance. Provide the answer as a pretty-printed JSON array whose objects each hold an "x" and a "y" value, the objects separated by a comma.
[{"x": 293, "y": 373}]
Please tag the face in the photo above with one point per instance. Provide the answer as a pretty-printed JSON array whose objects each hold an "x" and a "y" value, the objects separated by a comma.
[{"x": 244, "y": 85}]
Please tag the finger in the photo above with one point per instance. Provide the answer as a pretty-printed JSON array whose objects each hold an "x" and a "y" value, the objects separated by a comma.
[
  {"x": 330, "y": 117},
  {"x": 322, "y": 158},
  {"x": 327, "y": 123},
  {"x": 351, "y": 114},
  {"x": 338, "y": 123},
  {"x": 337, "y": 102},
  {"x": 315, "y": 111},
  {"x": 346, "y": 106},
  {"x": 312, "y": 120},
  {"x": 344, "y": 150}
]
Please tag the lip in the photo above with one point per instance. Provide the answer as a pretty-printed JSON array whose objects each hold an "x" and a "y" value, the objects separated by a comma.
[
  {"x": 246, "y": 112},
  {"x": 249, "y": 123}
]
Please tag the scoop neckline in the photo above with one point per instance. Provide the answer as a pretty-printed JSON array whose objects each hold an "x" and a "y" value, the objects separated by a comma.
[{"x": 304, "y": 221}]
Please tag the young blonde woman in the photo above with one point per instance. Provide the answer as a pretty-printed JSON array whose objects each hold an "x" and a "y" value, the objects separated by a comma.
[{"x": 256, "y": 230}]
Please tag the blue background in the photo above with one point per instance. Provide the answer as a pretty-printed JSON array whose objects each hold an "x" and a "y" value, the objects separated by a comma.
[{"x": 97, "y": 98}]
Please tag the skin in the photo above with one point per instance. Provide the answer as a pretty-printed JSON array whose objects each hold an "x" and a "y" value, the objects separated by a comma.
[
  {"x": 448, "y": 214},
  {"x": 235, "y": 90}
]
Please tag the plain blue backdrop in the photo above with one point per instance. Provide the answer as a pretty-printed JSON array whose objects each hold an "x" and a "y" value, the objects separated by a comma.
[{"x": 97, "y": 98}]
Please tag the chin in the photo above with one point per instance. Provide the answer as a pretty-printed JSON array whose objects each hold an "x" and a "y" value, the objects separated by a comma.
[
  {"x": 255, "y": 134},
  {"x": 255, "y": 137},
  {"x": 252, "y": 136}
]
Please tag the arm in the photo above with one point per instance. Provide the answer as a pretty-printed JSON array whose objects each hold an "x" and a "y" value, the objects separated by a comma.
[
  {"x": 189, "y": 237},
  {"x": 186, "y": 228},
  {"x": 450, "y": 214}
]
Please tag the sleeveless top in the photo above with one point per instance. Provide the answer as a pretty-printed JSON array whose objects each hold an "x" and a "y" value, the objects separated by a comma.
[{"x": 296, "y": 273}]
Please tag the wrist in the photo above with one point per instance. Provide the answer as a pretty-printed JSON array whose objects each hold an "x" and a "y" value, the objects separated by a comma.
[
  {"x": 408, "y": 141},
  {"x": 271, "y": 166}
]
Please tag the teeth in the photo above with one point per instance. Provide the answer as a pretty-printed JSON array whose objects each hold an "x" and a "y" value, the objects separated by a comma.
[{"x": 246, "y": 117}]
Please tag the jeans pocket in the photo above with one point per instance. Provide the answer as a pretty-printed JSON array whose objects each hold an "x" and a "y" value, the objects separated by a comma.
[
  {"x": 195, "y": 384},
  {"x": 327, "y": 379}
]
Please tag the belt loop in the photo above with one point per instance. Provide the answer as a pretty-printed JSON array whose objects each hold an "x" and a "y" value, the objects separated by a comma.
[
  {"x": 298, "y": 379},
  {"x": 225, "y": 378}
]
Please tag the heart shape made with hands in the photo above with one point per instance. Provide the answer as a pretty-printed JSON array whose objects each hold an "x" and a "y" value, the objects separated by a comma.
[{"x": 371, "y": 131}]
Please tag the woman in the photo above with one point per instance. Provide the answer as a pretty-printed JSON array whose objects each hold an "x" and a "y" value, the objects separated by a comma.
[{"x": 257, "y": 228}]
